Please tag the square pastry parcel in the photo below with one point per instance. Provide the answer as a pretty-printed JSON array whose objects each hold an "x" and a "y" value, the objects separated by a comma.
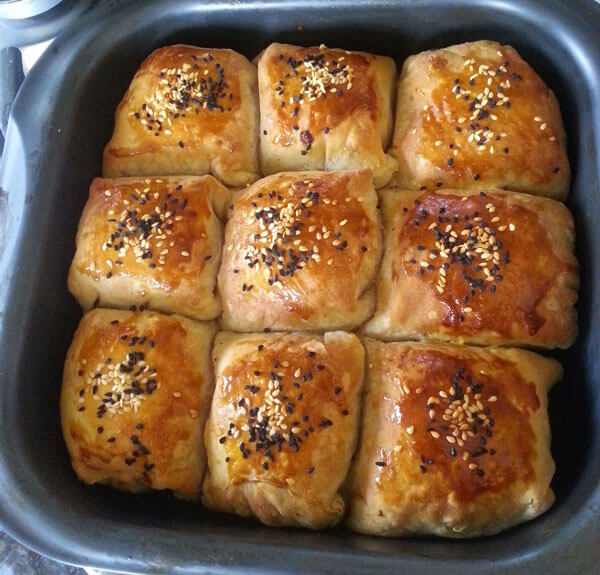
[
  {"x": 301, "y": 253},
  {"x": 326, "y": 109},
  {"x": 283, "y": 426},
  {"x": 455, "y": 440},
  {"x": 188, "y": 111},
  {"x": 477, "y": 115},
  {"x": 151, "y": 242},
  {"x": 136, "y": 391},
  {"x": 485, "y": 267}
]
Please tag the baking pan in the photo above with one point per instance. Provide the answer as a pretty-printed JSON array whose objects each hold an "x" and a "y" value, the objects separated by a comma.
[{"x": 61, "y": 120}]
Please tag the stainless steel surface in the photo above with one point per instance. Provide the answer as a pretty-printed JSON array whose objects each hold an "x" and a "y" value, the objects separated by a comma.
[
  {"x": 19, "y": 9},
  {"x": 18, "y": 560}
]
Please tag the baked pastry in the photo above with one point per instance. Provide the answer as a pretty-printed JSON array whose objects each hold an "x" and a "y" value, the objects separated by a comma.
[
  {"x": 135, "y": 397},
  {"x": 301, "y": 252},
  {"x": 455, "y": 440},
  {"x": 324, "y": 109},
  {"x": 152, "y": 242},
  {"x": 476, "y": 115},
  {"x": 191, "y": 111},
  {"x": 490, "y": 268},
  {"x": 283, "y": 426}
]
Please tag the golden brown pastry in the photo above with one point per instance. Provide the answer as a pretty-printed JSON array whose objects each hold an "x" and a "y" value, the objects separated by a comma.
[
  {"x": 152, "y": 242},
  {"x": 135, "y": 397},
  {"x": 325, "y": 109},
  {"x": 476, "y": 115},
  {"x": 489, "y": 267},
  {"x": 455, "y": 440},
  {"x": 283, "y": 426},
  {"x": 188, "y": 110},
  {"x": 301, "y": 251}
]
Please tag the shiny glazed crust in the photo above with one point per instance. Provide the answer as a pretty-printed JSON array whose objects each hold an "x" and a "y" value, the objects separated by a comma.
[
  {"x": 135, "y": 397},
  {"x": 283, "y": 426},
  {"x": 301, "y": 252},
  {"x": 191, "y": 111},
  {"x": 490, "y": 268},
  {"x": 326, "y": 109},
  {"x": 477, "y": 115},
  {"x": 455, "y": 441},
  {"x": 152, "y": 242},
  {"x": 452, "y": 440}
]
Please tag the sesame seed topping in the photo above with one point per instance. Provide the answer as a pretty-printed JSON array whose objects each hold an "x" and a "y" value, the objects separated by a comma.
[
  {"x": 483, "y": 94},
  {"x": 287, "y": 233},
  {"x": 192, "y": 86},
  {"x": 465, "y": 241},
  {"x": 142, "y": 229},
  {"x": 465, "y": 428},
  {"x": 121, "y": 386},
  {"x": 269, "y": 414},
  {"x": 313, "y": 78}
]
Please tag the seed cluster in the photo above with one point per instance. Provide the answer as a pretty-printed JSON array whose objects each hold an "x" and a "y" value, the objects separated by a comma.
[
  {"x": 287, "y": 240},
  {"x": 120, "y": 386},
  {"x": 198, "y": 84},
  {"x": 320, "y": 78},
  {"x": 466, "y": 421},
  {"x": 486, "y": 94},
  {"x": 144, "y": 229},
  {"x": 138, "y": 449},
  {"x": 272, "y": 413},
  {"x": 471, "y": 242}
]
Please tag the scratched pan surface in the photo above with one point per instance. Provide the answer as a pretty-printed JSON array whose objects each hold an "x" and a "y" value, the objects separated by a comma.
[{"x": 60, "y": 123}]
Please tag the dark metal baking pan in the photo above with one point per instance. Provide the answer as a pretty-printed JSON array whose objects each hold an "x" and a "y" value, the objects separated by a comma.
[{"x": 62, "y": 118}]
